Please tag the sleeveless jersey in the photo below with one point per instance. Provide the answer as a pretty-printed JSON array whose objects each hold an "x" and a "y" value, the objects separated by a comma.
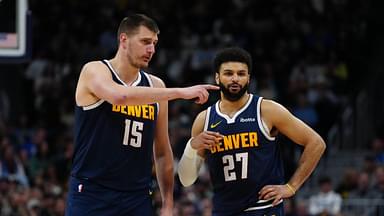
[
  {"x": 247, "y": 158},
  {"x": 113, "y": 143}
]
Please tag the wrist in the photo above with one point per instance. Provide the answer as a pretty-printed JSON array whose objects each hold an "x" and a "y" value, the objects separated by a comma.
[
  {"x": 291, "y": 188},
  {"x": 178, "y": 93}
]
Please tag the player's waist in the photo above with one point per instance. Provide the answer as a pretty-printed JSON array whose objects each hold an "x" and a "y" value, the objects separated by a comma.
[
  {"x": 143, "y": 185},
  {"x": 262, "y": 204}
]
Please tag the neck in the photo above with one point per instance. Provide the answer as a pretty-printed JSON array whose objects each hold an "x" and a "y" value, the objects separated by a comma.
[
  {"x": 231, "y": 107},
  {"x": 126, "y": 71}
]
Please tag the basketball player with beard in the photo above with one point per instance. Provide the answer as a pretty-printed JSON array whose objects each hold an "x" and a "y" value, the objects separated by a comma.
[{"x": 236, "y": 137}]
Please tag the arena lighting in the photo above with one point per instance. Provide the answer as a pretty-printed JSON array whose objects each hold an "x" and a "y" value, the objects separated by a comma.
[{"x": 14, "y": 30}]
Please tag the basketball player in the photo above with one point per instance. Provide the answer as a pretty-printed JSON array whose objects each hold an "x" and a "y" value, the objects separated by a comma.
[
  {"x": 237, "y": 139},
  {"x": 121, "y": 111}
]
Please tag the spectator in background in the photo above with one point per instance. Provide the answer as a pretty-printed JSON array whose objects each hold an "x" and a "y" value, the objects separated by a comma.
[
  {"x": 4, "y": 106},
  {"x": 348, "y": 183},
  {"x": 327, "y": 202},
  {"x": 301, "y": 207},
  {"x": 380, "y": 186},
  {"x": 188, "y": 209},
  {"x": 378, "y": 150},
  {"x": 11, "y": 167},
  {"x": 363, "y": 194},
  {"x": 206, "y": 207},
  {"x": 305, "y": 111},
  {"x": 379, "y": 181},
  {"x": 369, "y": 165}
]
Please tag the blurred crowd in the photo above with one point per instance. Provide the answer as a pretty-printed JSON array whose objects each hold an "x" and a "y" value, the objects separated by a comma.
[{"x": 307, "y": 56}]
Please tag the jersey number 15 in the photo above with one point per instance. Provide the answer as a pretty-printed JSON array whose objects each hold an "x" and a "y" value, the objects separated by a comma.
[{"x": 133, "y": 133}]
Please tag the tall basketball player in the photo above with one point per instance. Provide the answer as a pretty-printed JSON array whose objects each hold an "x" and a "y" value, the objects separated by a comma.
[
  {"x": 121, "y": 111},
  {"x": 237, "y": 139}
]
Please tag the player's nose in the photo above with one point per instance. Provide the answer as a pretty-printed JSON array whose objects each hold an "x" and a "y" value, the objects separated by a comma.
[
  {"x": 235, "y": 78},
  {"x": 151, "y": 49}
]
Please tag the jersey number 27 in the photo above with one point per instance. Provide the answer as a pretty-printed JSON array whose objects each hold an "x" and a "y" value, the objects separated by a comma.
[{"x": 229, "y": 166}]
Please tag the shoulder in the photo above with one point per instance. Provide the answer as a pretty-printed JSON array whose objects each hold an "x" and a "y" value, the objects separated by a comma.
[
  {"x": 269, "y": 106},
  {"x": 274, "y": 113},
  {"x": 157, "y": 82},
  {"x": 198, "y": 124},
  {"x": 93, "y": 67},
  {"x": 201, "y": 116}
]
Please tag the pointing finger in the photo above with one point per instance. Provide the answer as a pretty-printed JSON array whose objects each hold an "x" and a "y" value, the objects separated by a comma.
[{"x": 211, "y": 87}]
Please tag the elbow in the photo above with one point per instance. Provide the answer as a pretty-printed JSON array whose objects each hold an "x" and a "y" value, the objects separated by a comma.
[
  {"x": 320, "y": 145},
  {"x": 114, "y": 97},
  {"x": 120, "y": 99},
  {"x": 117, "y": 100}
]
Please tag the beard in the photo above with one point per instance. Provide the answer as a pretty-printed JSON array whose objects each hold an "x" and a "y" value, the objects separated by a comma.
[
  {"x": 136, "y": 63},
  {"x": 233, "y": 96}
]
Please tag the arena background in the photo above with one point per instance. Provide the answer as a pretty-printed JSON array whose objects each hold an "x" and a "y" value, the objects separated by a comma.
[{"x": 323, "y": 59}]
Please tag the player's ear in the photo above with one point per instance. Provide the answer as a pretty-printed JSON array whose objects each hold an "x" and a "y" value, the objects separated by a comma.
[
  {"x": 123, "y": 37},
  {"x": 217, "y": 79}
]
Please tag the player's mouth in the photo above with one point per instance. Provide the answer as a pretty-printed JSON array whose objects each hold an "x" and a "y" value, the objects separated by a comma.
[
  {"x": 146, "y": 59},
  {"x": 234, "y": 87}
]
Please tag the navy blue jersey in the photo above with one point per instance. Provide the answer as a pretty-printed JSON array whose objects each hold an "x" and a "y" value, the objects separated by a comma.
[
  {"x": 247, "y": 159},
  {"x": 113, "y": 143}
]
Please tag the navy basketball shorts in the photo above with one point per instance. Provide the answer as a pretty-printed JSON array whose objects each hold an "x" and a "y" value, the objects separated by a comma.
[
  {"x": 88, "y": 198},
  {"x": 277, "y": 210}
]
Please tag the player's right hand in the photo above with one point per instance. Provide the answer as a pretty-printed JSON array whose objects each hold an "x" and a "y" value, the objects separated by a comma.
[
  {"x": 205, "y": 140},
  {"x": 198, "y": 92}
]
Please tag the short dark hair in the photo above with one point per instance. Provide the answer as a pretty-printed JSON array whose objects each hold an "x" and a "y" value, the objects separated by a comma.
[
  {"x": 132, "y": 22},
  {"x": 232, "y": 54}
]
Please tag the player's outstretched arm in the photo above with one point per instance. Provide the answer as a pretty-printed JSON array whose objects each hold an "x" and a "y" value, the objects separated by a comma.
[
  {"x": 192, "y": 159},
  {"x": 96, "y": 81},
  {"x": 277, "y": 116}
]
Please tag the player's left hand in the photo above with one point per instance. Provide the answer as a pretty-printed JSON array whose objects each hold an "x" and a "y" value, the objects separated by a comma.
[{"x": 276, "y": 192}]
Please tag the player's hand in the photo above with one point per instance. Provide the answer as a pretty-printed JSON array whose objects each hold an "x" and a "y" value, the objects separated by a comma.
[
  {"x": 198, "y": 92},
  {"x": 276, "y": 192},
  {"x": 205, "y": 140}
]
